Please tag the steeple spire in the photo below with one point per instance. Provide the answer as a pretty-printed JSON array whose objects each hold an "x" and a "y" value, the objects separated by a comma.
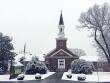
[
  {"x": 61, "y": 19},
  {"x": 61, "y": 27}
]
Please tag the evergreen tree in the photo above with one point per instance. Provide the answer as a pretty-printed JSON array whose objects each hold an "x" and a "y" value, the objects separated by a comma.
[{"x": 6, "y": 53}]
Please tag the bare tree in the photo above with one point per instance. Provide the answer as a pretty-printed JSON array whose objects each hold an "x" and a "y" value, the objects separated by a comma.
[{"x": 97, "y": 18}]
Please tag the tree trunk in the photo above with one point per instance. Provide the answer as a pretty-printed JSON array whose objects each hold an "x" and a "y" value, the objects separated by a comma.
[
  {"x": 106, "y": 44},
  {"x": 107, "y": 56}
]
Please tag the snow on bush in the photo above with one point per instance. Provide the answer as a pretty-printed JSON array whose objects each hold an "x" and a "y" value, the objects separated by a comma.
[
  {"x": 20, "y": 77},
  {"x": 38, "y": 76},
  {"x": 69, "y": 75},
  {"x": 79, "y": 66},
  {"x": 36, "y": 66},
  {"x": 81, "y": 77}
]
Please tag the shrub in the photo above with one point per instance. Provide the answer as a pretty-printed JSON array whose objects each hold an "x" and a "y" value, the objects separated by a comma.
[
  {"x": 69, "y": 76},
  {"x": 3, "y": 68},
  {"x": 38, "y": 76},
  {"x": 79, "y": 66},
  {"x": 81, "y": 77},
  {"x": 34, "y": 67},
  {"x": 20, "y": 77}
]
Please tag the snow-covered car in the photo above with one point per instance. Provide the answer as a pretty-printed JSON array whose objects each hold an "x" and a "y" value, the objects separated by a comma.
[
  {"x": 69, "y": 76},
  {"x": 81, "y": 77},
  {"x": 20, "y": 77},
  {"x": 38, "y": 76}
]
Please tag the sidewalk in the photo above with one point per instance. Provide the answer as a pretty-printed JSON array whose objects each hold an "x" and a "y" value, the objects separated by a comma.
[{"x": 57, "y": 75}]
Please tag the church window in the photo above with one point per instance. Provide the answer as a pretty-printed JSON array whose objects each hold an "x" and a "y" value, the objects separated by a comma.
[{"x": 60, "y": 30}]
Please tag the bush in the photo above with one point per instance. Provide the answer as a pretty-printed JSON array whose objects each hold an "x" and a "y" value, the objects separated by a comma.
[
  {"x": 36, "y": 67},
  {"x": 20, "y": 77},
  {"x": 79, "y": 66},
  {"x": 38, "y": 76},
  {"x": 3, "y": 68},
  {"x": 81, "y": 77},
  {"x": 69, "y": 76}
]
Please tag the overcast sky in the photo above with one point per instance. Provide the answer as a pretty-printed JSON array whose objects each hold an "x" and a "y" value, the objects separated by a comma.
[{"x": 36, "y": 23}]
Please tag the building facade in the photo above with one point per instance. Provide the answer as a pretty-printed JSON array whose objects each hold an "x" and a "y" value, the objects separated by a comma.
[{"x": 60, "y": 58}]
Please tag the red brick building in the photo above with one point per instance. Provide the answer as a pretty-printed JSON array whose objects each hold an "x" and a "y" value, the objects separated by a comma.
[
  {"x": 60, "y": 58},
  {"x": 98, "y": 62}
]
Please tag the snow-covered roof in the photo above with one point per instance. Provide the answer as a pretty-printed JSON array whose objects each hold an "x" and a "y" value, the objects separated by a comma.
[
  {"x": 28, "y": 57},
  {"x": 90, "y": 58},
  {"x": 17, "y": 63}
]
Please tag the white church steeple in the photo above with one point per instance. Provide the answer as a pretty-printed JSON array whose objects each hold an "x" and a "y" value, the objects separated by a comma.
[{"x": 61, "y": 27}]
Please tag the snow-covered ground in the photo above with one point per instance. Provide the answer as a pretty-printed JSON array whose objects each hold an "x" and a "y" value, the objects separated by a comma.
[
  {"x": 27, "y": 77},
  {"x": 95, "y": 77}
]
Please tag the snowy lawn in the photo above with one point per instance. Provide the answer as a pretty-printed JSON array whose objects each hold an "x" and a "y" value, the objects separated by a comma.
[
  {"x": 27, "y": 77},
  {"x": 95, "y": 77}
]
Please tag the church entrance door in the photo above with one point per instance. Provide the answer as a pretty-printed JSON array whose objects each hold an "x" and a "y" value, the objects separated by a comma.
[{"x": 61, "y": 63}]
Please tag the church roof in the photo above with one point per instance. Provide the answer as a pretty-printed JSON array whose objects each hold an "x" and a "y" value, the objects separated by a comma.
[
  {"x": 93, "y": 58},
  {"x": 61, "y": 20},
  {"x": 62, "y": 51},
  {"x": 28, "y": 57},
  {"x": 90, "y": 58},
  {"x": 54, "y": 51},
  {"x": 17, "y": 63}
]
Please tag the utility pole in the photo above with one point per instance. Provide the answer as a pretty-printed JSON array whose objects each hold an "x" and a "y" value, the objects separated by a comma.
[
  {"x": 24, "y": 56},
  {"x": 11, "y": 63}
]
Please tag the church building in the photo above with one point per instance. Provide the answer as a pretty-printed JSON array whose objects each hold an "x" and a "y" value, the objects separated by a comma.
[{"x": 60, "y": 58}]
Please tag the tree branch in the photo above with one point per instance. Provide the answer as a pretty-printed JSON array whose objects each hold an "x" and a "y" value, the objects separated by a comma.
[
  {"x": 106, "y": 44},
  {"x": 101, "y": 45}
]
